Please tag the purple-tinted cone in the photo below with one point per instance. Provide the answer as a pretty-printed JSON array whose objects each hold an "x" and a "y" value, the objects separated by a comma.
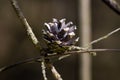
[{"x": 60, "y": 32}]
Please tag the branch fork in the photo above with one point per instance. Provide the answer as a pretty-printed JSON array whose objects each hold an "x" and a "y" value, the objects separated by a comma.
[{"x": 72, "y": 50}]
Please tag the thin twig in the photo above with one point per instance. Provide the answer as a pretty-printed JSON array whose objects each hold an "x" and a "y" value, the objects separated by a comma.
[
  {"x": 113, "y": 5},
  {"x": 19, "y": 63},
  {"x": 39, "y": 58},
  {"x": 91, "y": 51},
  {"x": 104, "y": 37},
  {"x": 25, "y": 23},
  {"x": 88, "y": 51},
  {"x": 43, "y": 70},
  {"x": 55, "y": 73}
]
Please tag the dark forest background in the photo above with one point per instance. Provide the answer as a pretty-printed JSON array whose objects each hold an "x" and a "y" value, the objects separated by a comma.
[{"x": 15, "y": 45}]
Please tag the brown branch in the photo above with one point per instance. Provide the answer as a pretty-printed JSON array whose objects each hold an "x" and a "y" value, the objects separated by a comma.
[
  {"x": 25, "y": 23},
  {"x": 19, "y": 63},
  {"x": 44, "y": 69},
  {"x": 91, "y": 51},
  {"x": 38, "y": 58},
  {"x": 103, "y": 37},
  {"x": 113, "y": 5},
  {"x": 55, "y": 73}
]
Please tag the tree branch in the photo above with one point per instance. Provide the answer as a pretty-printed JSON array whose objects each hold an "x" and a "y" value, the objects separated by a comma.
[
  {"x": 25, "y": 23},
  {"x": 113, "y": 5},
  {"x": 104, "y": 37},
  {"x": 39, "y": 58},
  {"x": 55, "y": 73},
  {"x": 43, "y": 70},
  {"x": 19, "y": 63}
]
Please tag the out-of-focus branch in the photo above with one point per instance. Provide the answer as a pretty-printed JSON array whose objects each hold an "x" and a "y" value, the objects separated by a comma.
[
  {"x": 25, "y": 23},
  {"x": 113, "y": 5}
]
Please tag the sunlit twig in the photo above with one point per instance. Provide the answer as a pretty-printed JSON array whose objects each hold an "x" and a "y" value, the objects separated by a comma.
[
  {"x": 55, "y": 73},
  {"x": 104, "y": 37},
  {"x": 25, "y": 23},
  {"x": 43, "y": 70}
]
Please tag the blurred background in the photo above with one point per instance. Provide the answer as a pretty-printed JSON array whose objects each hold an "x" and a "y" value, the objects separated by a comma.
[{"x": 15, "y": 45}]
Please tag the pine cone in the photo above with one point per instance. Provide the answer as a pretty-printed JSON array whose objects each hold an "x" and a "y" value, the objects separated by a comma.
[{"x": 60, "y": 33}]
